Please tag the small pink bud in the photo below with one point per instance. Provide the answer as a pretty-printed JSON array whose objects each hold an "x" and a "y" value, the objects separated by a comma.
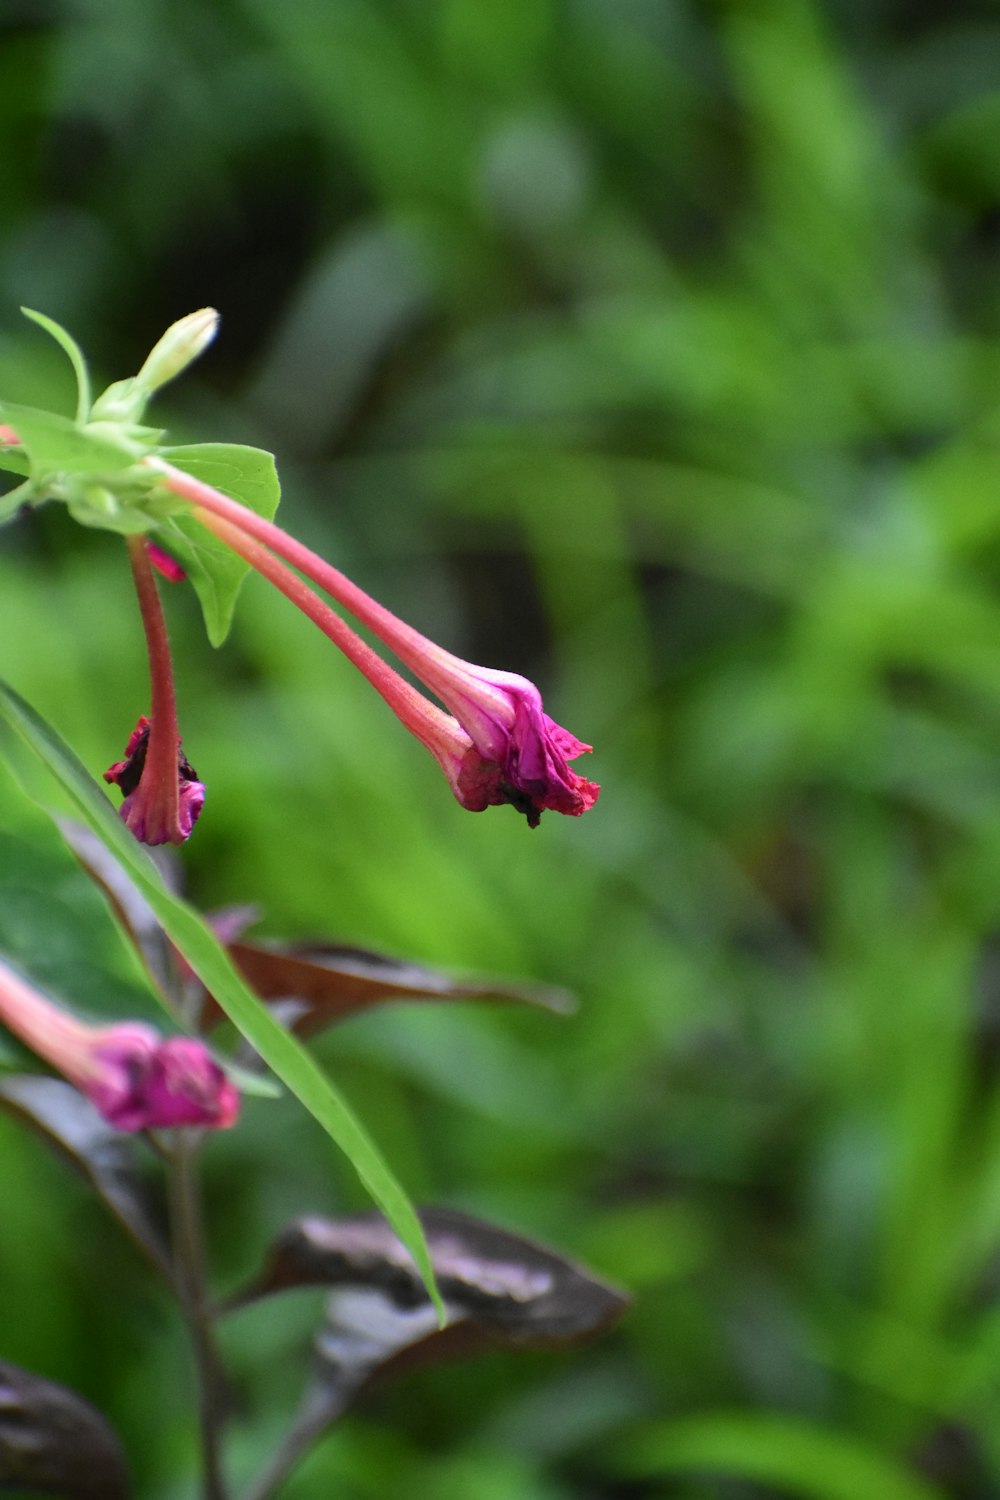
[{"x": 167, "y": 566}]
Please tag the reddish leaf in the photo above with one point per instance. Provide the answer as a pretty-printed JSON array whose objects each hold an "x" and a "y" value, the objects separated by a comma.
[
  {"x": 500, "y": 1290},
  {"x": 69, "y": 1123},
  {"x": 326, "y": 983},
  {"x": 53, "y": 1442}
]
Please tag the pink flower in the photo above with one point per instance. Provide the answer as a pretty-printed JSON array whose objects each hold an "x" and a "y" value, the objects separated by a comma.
[
  {"x": 521, "y": 755},
  {"x": 159, "y": 809},
  {"x": 135, "y": 1078},
  {"x": 495, "y": 745},
  {"x": 142, "y": 1082}
]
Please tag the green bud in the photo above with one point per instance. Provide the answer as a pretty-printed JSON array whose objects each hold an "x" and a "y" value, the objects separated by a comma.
[{"x": 179, "y": 346}]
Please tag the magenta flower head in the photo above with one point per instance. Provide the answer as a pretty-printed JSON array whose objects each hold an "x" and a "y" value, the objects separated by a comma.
[
  {"x": 162, "y": 801},
  {"x": 136, "y": 1079},
  {"x": 519, "y": 755},
  {"x": 139, "y": 1081}
]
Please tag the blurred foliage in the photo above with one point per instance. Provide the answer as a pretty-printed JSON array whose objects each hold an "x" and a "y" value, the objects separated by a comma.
[{"x": 651, "y": 348}]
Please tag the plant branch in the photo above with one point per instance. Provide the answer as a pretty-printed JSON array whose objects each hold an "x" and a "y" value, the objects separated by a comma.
[{"x": 192, "y": 1290}]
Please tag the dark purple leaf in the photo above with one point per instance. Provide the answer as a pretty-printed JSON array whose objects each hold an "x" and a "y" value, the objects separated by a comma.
[
  {"x": 519, "y": 1290},
  {"x": 323, "y": 983},
  {"x": 500, "y": 1291},
  {"x": 52, "y": 1442},
  {"x": 69, "y": 1123}
]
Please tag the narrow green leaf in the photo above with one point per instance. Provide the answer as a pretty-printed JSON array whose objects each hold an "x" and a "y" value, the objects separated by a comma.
[
  {"x": 244, "y": 474},
  {"x": 55, "y": 923},
  {"x": 808, "y": 1461},
  {"x": 55, "y": 445},
  {"x": 209, "y": 960},
  {"x": 74, "y": 353}
]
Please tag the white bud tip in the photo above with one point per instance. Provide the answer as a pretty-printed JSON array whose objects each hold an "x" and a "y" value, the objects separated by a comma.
[{"x": 179, "y": 346}]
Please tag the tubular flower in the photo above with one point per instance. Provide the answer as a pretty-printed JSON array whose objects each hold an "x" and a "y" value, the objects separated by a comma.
[
  {"x": 496, "y": 744},
  {"x": 156, "y": 813},
  {"x": 136, "y": 1079}
]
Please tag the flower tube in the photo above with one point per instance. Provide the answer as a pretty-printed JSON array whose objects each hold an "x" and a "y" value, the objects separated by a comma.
[
  {"x": 474, "y": 781},
  {"x": 522, "y": 755}
]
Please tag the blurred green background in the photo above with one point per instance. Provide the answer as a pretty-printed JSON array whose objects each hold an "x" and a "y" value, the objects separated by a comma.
[{"x": 650, "y": 348}]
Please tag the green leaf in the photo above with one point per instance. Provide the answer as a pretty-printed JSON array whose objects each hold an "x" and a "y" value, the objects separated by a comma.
[
  {"x": 55, "y": 445},
  {"x": 55, "y": 924},
  {"x": 74, "y": 353},
  {"x": 14, "y": 460},
  {"x": 209, "y": 960},
  {"x": 244, "y": 474},
  {"x": 800, "y": 1457}
]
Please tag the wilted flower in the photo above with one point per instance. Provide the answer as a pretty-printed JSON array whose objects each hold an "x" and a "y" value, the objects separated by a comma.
[
  {"x": 163, "y": 796},
  {"x": 136, "y": 1079},
  {"x": 161, "y": 805}
]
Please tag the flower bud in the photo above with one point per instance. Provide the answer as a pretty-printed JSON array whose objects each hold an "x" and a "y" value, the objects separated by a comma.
[{"x": 179, "y": 347}]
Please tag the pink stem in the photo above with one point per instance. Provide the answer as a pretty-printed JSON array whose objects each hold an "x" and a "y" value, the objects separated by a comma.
[
  {"x": 430, "y": 724},
  {"x": 409, "y": 645}
]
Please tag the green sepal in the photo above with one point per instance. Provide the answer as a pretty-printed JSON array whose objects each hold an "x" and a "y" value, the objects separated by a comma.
[
  {"x": 56, "y": 445},
  {"x": 241, "y": 473},
  {"x": 99, "y": 507}
]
